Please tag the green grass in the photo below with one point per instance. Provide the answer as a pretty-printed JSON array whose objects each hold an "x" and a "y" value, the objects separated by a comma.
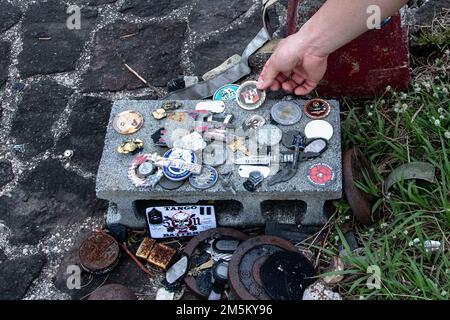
[{"x": 392, "y": 130}]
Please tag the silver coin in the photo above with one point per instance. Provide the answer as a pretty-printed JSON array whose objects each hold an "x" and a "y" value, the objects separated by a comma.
[
  {"x": 145, "y": 169},
  {"x": 215, "y": 154},
  {"x": 286, "y": 113},
  {"x": 206, "y": 179}
]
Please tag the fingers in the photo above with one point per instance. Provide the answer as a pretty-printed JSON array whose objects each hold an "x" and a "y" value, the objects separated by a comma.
[
  {"x": 267, "y": 76},
  {"x": 305, "y": 88}
]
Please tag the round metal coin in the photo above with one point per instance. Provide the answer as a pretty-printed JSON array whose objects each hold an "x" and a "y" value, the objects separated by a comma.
[
  {"x": 178, "y": 174},
  {"x": 320, "y": 174},
  {"x": 128, "y": 122},
  {"x": 319, "y": 129},
  {"x": 286, "y": 113},
  {"x": 226, "y": 93},
  {"x": 169, "y": 184},
  {"x": 249, "y": 97},
  {"x": 145, "y": 169},
  {"x": 317, "y": 109},
  {"x": 215, "y": 154},
  {"x": 269, "y": 135},
  {"x": 206, "y": 179}
]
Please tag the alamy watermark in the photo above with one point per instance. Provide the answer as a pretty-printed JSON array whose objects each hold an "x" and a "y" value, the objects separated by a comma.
[
  {"x": 73, "y": 22},
  {"x": 374, "y": 280}
]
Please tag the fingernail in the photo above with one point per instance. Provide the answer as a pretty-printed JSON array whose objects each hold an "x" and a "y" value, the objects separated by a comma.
[{"x": 260, "y": 83}]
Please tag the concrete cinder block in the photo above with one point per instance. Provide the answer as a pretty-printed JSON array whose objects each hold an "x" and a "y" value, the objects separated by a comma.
[{"x": 245, "y": 208}]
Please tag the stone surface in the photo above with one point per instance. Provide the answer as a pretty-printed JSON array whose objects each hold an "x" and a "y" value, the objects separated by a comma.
[
  {"x": 6, "y": 173},
  {"x": 49, "y": 196},
  {"x": 16, "y": 275},
  {"x": 86, "y": 132},
  {"x": 100, "y": 2},
  {"x": 426, "y": 13},
  {"x": 152, "y": 8},
  {"x": 207, "y": 16},
  {"x": 219, "y": 47},
  {"x": 152, "y": 50},
  {"x": 9, "y": 15},
  {"x": 4, "y": 61},
  {"x": 41, "y": 106},
  {"x": 318, "y": 291},
  {"x": 114, "y": 185},
  {"x": 48, "y": 44}
]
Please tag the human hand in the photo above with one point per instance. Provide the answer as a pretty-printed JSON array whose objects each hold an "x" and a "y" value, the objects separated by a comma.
[{"x": 293, "y": 67}]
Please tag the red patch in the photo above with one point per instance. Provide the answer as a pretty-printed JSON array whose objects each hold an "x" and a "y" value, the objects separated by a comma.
[{"x": 320, "y": 174}]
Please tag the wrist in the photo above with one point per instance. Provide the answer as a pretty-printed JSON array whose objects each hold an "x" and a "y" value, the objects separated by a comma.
[{"x": 311, "y": 41}]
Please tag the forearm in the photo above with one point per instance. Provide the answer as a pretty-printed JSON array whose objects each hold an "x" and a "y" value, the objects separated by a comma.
[{"x": 340, "y": 21}]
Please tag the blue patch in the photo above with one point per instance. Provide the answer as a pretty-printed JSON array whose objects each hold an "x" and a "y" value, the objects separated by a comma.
[{"x": 226, "y": 93}]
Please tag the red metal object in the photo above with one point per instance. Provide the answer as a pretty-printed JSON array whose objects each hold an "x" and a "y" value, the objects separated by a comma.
[{"x": 367, "y": 65}]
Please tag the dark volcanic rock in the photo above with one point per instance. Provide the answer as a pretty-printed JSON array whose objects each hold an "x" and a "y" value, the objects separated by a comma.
[
  {"x": 17, "y": 275},
  {"x": 49, "y": 196},
  {"x": 9, "y": 15},
  {"x": 152, "y": 8},
  {"x": 41, "y": 106},
  {"x": 5, "y": 50},
  {"x": 427, "y": 12},
  {"x": 2, "y": 256},
  {"x": 218, "y": 48},
  {"x": 85, "y": 136},
  {"x": 99, "y": 2},
  {"x": 6, "y": 173},
  {"x": 207, "y": 16},
  {"x": 152, "y": 49},
  {"x": 61, "y": 51}
]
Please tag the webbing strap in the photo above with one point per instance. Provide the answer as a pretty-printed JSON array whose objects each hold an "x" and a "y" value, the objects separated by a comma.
[{"x": 206, "y": 89}]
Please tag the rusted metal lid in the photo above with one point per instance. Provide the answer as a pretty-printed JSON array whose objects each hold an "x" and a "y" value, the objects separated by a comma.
[
  {"x": 245, "y": 266},
  {"x": 355, "y": 166},
  {"x": 99, "y": 253}
]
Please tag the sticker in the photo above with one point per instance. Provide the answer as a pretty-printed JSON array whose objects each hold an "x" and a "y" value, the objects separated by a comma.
[
  {"x": 128, "y": 122},
  {"x": 226, "y": 93},
  {"x": 317, "y": 109},
  {"x": 320, "y": 174},
  {"x": 319, "y": 129},
  {"x": 206, "y": 179},
  {"x": 177, "y": 174},
  {"x": 180, "y": 221},
  {"x": 249, "y": 97},
  {"x": 286, "y": 113},
  {"x": 269, "y": 135},
  {"x": 213, "y": 106}
]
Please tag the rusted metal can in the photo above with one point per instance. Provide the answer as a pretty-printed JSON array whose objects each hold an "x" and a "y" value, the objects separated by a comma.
[{"x": 99, "y": 253}]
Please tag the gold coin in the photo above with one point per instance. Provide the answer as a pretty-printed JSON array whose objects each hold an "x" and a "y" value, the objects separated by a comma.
[{"x": 128, "y": 122}]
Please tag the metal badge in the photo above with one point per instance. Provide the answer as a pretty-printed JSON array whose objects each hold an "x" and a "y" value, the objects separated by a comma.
[
  {"x": 320, "y": 174},
  {"x": 254, "y": 181},
  {"x": 215, "y": 154},
  {"x": 178, "y": 173},
  {"x": 159, "y": 114},
  {"x": 145, "y": 169},
  {"x": 128, "y": 122},
  {"x": 226, "y": 93},
  {"x": 253, "y": 122},
  {"x": 249, "y": 97},
  {"x": 206, "y": 179},
  {"x": 130, "y": 146},
  {"x": 319, "y": 129},
  {"x": 317, "y": 109},
  {"x": 140, "y": 180},
  {"x": 286, "y": 113},
  {"x": 269, "y": 135}
]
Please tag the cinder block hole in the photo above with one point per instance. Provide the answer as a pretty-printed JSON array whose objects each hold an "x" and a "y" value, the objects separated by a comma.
[
  {"x": 272, "y": 208},
  {"x": 230, "y": 207}
]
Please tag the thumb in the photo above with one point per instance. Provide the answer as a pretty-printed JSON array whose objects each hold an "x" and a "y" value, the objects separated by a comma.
[{"x": 267, "y": 76}]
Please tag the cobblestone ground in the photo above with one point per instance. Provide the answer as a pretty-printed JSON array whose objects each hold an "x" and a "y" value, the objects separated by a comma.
[{"x": 56, "y": 90}]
